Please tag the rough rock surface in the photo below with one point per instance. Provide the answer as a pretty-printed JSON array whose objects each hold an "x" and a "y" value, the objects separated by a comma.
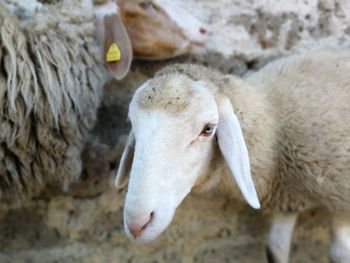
[{"x": 84, "y": 224}]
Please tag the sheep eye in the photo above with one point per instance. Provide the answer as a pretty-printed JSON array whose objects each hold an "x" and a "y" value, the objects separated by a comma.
[
  {"x": 148, "y": 4},
  {"x": 207, "y": 130}
]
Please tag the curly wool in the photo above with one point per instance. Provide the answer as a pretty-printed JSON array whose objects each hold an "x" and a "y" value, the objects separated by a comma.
[{"x": 50, "y": 86}]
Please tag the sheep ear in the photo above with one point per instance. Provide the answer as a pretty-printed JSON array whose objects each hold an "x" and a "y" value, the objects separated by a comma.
[
  {"x": 111, "y": 32},
  {"x": 125, "y": 163},
  {"x": 234, "y": 149}
]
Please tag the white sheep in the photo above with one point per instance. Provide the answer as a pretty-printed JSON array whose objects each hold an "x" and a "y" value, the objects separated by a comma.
[
  {"x": 282, "y": 132},
  {"x": 51, "y": 79}
]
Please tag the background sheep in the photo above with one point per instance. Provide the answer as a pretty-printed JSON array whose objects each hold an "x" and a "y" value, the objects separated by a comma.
[
  {"x": 52, "y": 79},
  {"x": 162, "y": 28},
  {"x": 293, "y": 127},
  {"x": 157, "y": 29},
  {"x": 51, "y": 75}
]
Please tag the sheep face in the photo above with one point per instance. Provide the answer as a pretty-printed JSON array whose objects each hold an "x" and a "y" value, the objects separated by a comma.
[
  {"x": 173, "y": 146},
  {"x": 170, "y": 148}
]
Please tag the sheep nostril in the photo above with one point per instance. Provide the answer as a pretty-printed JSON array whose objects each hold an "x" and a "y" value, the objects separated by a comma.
[
  {"x": 136, "y": 230},
  {"x": 203, "y": 31}
]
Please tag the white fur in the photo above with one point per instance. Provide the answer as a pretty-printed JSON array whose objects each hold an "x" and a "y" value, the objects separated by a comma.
[
  {"x": 234, "y": 149},
  {"x": 340, "y": 249},
  {"x": 25, "y": 9},
  {"x": 109, "y": 8},
  {"x": 280, "y": 236},
  {"x": 190, "y": 25}
]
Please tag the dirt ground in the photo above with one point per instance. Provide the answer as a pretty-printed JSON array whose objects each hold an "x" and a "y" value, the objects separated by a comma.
[{"x": 205, "y": 229}]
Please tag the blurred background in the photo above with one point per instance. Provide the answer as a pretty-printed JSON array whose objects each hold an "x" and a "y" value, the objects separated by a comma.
[{"x": 83, "y": 223}]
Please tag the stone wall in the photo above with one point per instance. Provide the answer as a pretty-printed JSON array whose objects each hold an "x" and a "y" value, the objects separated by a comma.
[{"x": 84, "y": 223}]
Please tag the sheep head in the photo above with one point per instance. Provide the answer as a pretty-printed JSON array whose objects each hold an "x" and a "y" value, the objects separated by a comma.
[
  {"x": 175, "y": 122},
  {"x": 161, "y": 28}
]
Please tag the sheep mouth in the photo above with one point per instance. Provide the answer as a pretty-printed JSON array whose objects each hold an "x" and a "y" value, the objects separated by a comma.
[
  {"x": 138, "y": 233},
  {"x": 157, "y": 224}
]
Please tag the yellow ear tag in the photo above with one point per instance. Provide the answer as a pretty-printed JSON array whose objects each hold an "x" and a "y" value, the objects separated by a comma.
[{"x": 113, "y": 53}]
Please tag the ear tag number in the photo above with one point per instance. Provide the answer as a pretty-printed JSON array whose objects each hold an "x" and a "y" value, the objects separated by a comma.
[{"x": 113, "y": 53}]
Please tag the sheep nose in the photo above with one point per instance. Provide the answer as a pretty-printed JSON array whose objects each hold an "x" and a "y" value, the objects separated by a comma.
[{"x": 136, "y": 229}]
